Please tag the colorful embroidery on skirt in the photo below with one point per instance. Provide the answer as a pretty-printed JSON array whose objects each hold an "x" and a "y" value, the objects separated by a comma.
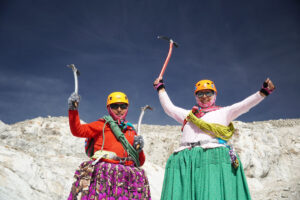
[
  {"x": 105, "y": 180},
  {"x": 233, "y": 157}
]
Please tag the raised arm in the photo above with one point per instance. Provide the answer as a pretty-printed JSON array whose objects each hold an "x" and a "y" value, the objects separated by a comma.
[
  {"x": 83, "y": 130},
  {"x": 78, "y": 129},
  {"x": 237, "y": 109},
  {"x": 170, "y": 109}
]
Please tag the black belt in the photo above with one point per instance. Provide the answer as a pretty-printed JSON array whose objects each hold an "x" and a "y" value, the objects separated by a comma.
[
  {"x": 122, "y": 159},
  {"x": 191, "y": 144}
]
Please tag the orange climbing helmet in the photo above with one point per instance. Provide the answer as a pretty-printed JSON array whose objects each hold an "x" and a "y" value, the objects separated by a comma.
[
  {"x": 117, "y": 97},
  {"x": 205, "y": 85}
]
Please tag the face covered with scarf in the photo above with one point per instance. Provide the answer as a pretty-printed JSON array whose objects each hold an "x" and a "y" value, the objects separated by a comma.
[
  {"x": 205, "y": 93},
  {"x": 118, "y": 111},
  {"x": 117, "y": 106},
  {"x": 205, "y": 98}
]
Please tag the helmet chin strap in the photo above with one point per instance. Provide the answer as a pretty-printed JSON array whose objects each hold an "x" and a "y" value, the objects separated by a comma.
[
  {"x": 206, "y": 105},
  {"x": 117, "y": 118}
]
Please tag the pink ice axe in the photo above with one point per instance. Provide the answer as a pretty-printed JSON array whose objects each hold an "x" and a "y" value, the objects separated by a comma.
[{"x": 169, "y": 54}]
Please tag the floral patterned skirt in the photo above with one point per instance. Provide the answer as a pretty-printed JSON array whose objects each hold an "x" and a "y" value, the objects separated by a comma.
[{"x": 109, "y": 181}]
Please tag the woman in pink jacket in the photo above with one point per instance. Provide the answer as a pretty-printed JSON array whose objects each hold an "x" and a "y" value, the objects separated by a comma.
[{"x": 204, "y": 166}]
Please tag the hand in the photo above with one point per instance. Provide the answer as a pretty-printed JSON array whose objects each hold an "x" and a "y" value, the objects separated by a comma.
[
  {"x": 138, "y": 143},
  {"x": 270, "y": 84},
  {"x": 267, "y": 88},
  {"x": 158, "y": 84},
  {"x": 73, "y": 101},
  {"x": 157, "y": 80}
]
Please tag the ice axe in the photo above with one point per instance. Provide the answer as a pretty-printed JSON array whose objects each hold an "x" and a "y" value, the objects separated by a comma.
[
  {"x": 76, "y": 74},
  {"x": 143, "y": 109},
  {"x": 169, "y": 54}
]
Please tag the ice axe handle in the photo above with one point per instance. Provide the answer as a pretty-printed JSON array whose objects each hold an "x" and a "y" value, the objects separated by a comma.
[
  {"x": 166, "y": 61},
  {"x": 169, "y": 54},
  {"x": 137, "y": 147},
  {"x": 76, "y": 74},
  {"x": 75, "y": 104}
]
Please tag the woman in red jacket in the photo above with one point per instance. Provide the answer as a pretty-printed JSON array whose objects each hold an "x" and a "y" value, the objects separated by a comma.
[{"x": 115, "y": 151}]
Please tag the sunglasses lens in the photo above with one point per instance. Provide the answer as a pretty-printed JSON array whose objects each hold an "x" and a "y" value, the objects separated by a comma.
[
  {"x": 208, "y": 94},
  {"x": 116, "y": 106},
  {"x": 200, "y": 94},
  {"x": 123, "y": 106}
]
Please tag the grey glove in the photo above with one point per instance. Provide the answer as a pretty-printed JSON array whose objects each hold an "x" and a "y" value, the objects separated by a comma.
[
  {"x": 73, "y": 101},
  {"x": 138, "y": 143}
]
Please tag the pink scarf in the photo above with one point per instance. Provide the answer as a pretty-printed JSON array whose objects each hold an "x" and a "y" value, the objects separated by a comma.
[
  {"x": 200, "y": 112},
  {"x": 115, "y": 117},
  {"x": 206, "y": 105}
]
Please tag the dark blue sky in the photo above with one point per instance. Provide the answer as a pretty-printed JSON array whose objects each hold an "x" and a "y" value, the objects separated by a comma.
[{"x": 113, "y": 43}]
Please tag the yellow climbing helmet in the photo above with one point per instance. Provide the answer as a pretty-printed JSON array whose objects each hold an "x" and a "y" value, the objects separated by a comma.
[
  {"x": 117, "y": 97},
  {"x": 205, "y": 85}
]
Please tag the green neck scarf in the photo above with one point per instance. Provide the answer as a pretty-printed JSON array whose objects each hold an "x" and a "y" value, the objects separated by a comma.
[
  {"x": 120, "y": 136},
  {"x": 212, "y": 129}
]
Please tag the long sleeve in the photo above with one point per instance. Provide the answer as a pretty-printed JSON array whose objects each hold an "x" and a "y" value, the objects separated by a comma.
[
  {"x": 237, "y": 109},
  {"x": 83, "y": 130},
  {"x": 142, "y": 158},
  {"x": 177, "y": 113},
  {"x": 223, "y": 116}
]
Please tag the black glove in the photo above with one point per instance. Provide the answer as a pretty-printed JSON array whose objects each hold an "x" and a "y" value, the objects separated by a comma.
[
  {"x": 73, "y": 101},
  {"x": 265, "y": 90},
  {"x": 160, "y": 85},
  {"x": 138, "y": 143}
]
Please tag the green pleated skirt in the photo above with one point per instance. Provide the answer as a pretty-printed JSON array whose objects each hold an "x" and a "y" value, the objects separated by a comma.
[{"x": 203, "y": 174}]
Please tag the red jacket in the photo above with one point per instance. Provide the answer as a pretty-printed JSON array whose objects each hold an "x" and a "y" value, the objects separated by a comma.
[{"x": 95, "y": 130}]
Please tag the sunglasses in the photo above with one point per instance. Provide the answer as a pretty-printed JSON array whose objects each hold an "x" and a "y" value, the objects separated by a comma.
[
  {"x": 208, "y": 93},
  {"x": 116, "y": 106}
]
